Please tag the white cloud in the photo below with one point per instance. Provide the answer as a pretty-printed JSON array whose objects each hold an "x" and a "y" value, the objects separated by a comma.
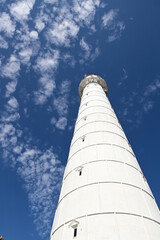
[
  {"x": 123, "y": 77},
  {"x": 11, "y": 87},
  {"x": 21, "y": 9},
  {"x": 148, "y": 106},
  {"x": 46, "y": 65},
  {"x": 153, "y": 87},
  {"x": 89, "y": 52},
  {"x": 61, "y": 102},
  {"x": 47, "y": 62},
  {"x": 84, "y": 11},
  {"x": 69, "y": 59},
  {"x": 27, "y": 44},
  {"x": 65, "y": 87},
  {"x": 39, "y": 24},
  {"x": 112, "y": 38},
  {"x": 53, "y": 121},
  {"x": 2, "y": 1},
  {"x": 13, "y": 103},
  {"x": 42, "y": 174},
  {"x": 85, "y": 48},
  {"x": 3, "y": 43},
  {"x": 114, "y": 27},
  {"x": 61, "y": 123},
  {"x": 40, "y": 170},
  {"x": 140, "y": 102},
  {"x": 25, "y": 55},
  {"x": 10, "y": 117},
  {"x": 61, "y": 33},
  {"x": 12, "y": 68},
  {"x": 46, "y": 88},
  {"x": 50, "y": 1},
  {"x": 108, "y": 18},
  {"x": 95, "y": 54},
  {"x": 17, "y": 149},
  {"x": 61, "y": 105},
  {"x": 6, "y": 131},
  {"x": 7, "y": 26},
  {"x": 33, "y": 35},
  {"x": 116, "y": 33}
]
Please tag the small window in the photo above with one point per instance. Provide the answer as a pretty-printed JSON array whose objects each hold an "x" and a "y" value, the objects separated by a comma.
[
  {"x": 80, "y": 172},
  {"x": 75, "y": 232},
  {"x": 83, "y": 138},
  {"x": 86, "y": 104},
  {"x": 85, "y": 118}
]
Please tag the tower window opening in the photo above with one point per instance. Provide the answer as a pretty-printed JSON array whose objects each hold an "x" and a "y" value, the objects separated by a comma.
[
  {"x": 80, "y": 172},
  {"x": 85, "y": 118},
  {"x": 83, "y": 138},
  {"x": 75, "y": 232}
]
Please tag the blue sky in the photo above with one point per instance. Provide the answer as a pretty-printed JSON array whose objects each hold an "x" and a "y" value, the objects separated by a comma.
[{"x": 46, "y": 47}]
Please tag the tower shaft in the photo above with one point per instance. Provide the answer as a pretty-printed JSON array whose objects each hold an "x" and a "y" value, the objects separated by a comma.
[{"x": 104, "y": 194}]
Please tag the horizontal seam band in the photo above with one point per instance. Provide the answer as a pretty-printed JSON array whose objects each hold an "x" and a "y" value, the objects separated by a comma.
[
  {"x": 97, "y": 122},
  {"x": 97, "y": 144},
  {"x": 93, "y": 107},
  {"x": 94, "y": 101},
  {"x": 106, "y": 213},
  {"x": 98, "y": 132},
  {"x": 102, "y": 92},
  {"x": 86, "y": 97},
  {"x": 96, "y": 113},
  {"x": 90, "y": 184},
  {"x": 102, "y": 161}
]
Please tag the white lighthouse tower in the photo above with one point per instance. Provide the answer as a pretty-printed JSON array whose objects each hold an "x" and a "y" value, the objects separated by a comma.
[{"x": 104, "y": 194}]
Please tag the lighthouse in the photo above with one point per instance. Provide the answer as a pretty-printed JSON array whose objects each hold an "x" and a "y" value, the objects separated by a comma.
[{"x": 104, "y": 194}]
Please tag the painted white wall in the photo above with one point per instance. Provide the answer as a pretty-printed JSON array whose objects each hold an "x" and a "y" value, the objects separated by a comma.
[{"x": 111, "y": 200}]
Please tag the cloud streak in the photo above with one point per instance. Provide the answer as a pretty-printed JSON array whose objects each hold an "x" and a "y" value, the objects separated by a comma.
[
  {"x": 144, "y": 102},
  {"x": 36, "y": 39}
]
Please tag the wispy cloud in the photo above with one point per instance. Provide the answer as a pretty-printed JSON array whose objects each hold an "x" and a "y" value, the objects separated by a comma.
[
  {"x": 20, "y": 10},
  {"x": 13, "y": 103},
  {"x": 36, "y": 43},
  {"x": 124, "y": 77},
  {"x": 7, "y": 26},
  {"x": 40, "y": 169},
  {"x": 42, "y": 174},
  {"x": 60, "y": 104},
  {"x": 12, "y": 68},
  {"x": 148, "y": 106},
  {"x": 11, "y": 87},
  {"x": 113, "y": 25},
  {"x": 109, "y": 17},
  {"x": 46, "y": 88},
  {"x": 47, "y": 62},
  {"x": 62, "y": 32},
  {"x": 86, "y": 48},
  {"x": 3, "y": 43},
  {"x": 153, "y": 87},
  {"x": 139, "y": 103}
]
